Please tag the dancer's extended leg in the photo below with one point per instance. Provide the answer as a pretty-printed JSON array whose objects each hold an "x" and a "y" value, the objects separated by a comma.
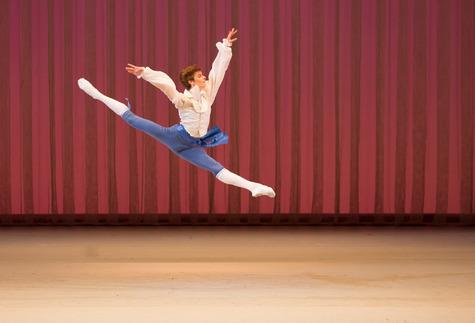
[
  {"x": 149, "y": 127},
  {"x": 116, "y": 106}
]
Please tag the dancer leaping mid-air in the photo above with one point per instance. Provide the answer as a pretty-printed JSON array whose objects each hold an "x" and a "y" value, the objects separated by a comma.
[{"x": 188, "y": 138}]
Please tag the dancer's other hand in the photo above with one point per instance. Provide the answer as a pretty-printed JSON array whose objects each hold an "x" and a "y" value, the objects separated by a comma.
[
  {"x": 231, "y": 34},
  {"x": 132, "y": 69}
]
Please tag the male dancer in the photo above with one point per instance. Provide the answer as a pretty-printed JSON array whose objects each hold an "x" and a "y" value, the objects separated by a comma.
[{"x": 188, "y": 138}]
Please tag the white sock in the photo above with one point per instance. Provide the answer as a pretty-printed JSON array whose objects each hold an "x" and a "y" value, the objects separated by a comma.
[
  {"x": 116, "y": 106},
  {"x": 256, "y": 189}
]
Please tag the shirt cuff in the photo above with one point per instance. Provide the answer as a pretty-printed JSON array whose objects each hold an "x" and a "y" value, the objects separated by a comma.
[
  {"x": 141, "y": 74},
  {"x": 222, "y": 47},
  {"x": 227, "y": 43}
]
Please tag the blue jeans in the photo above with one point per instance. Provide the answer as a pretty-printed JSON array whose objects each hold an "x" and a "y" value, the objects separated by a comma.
[{"x": 170, "y": 137}]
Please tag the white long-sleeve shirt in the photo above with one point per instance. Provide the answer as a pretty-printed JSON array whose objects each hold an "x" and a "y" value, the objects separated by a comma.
[{"x": 194, "y": 105}]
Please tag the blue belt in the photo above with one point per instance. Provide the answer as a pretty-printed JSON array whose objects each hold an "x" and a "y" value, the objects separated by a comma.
[{"x": 214, "y": 137}]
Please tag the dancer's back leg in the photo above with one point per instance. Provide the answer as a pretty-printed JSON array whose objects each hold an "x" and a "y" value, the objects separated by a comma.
[{"x": 198, "y": 157}]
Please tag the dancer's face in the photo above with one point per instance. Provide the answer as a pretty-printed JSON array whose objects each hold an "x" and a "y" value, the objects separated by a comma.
[{"x": 199, "y": 79}]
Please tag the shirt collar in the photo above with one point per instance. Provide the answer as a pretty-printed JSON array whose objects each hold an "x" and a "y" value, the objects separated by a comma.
[{"x": 194, "y": 93}]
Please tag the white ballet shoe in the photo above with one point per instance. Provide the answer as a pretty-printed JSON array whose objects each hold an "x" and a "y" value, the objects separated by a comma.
[
  {"x": 262, "y": 190},
  {"x": 118, "y": 107},
  {"x": 87, "y": 87}
]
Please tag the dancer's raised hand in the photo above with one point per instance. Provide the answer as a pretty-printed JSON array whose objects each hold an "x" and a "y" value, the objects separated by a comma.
[
  {"x": 132, "y": 69},
  {"x": 231, "y": 34}
]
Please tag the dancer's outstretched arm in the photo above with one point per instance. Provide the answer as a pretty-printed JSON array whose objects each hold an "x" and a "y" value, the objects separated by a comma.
[
  {"x": 161, "y": 81},
  {"x": 220, "y": 64}
]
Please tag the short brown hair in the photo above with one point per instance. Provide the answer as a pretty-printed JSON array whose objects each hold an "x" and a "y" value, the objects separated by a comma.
[{"x": 187, "y": 74}]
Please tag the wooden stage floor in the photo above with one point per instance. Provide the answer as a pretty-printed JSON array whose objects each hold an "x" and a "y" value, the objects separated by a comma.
[{"x": 237, "y": 274}]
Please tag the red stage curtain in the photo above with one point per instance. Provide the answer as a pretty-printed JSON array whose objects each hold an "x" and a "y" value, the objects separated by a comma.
[{"x": 343, "y": 106}]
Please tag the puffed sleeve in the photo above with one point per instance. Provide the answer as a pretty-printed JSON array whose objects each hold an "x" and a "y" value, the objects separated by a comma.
[
  {"x": 166, "y": 85},
  {"x": 219, "y": 67}
]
